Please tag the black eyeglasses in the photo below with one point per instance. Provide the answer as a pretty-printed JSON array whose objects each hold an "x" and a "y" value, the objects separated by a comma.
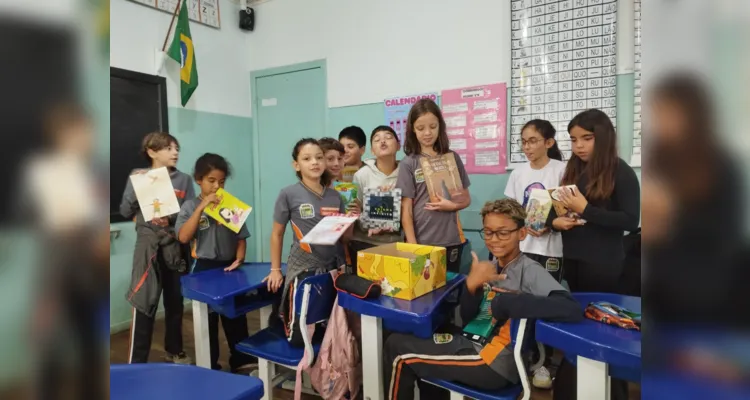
[{"x": 503, "y": 234}]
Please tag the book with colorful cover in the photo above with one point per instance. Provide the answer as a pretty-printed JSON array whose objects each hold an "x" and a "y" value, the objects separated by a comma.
[
  {"x": 560, "y": 208},
  {"x": 329, "y": 229},
  {"x": 441, "y": 176},
  {"x": 538, "y": 208},
  {"x": 230, "y": 211},
  {"x": 480, "y": 328},
  {"x": 155, "y": 193},
  {"x": 347, "y": 190}
]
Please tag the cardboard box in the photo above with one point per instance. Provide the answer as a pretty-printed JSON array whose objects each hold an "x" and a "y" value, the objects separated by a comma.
[{"x": 404, "y": 271}]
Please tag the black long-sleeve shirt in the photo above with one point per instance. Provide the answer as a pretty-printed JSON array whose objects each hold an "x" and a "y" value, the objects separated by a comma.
[{"x": 600, "y": 239}]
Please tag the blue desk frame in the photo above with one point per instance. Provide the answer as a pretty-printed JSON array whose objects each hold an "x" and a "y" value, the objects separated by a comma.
[
  {"x": 420, "y": 317},
  {"x": 232, "y": 293}
]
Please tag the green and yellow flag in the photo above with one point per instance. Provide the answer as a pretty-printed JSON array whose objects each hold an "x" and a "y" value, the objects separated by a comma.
[{"x": 182, "y": 51}]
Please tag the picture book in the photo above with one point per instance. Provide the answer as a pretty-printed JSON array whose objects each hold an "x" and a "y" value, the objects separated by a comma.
[
  {"x": 381, "y": 209},
  {"x": 329, "y": 230},
  {"x": 230, "y": 212},
  {"x": 480, "y": 328},
  {"x": 538, "y": 208},
  {"x": 441, "y": 176},
  {"x": 347, "y": 190},
  {"x": 560, "y": 208},
  {"x": 347, "y": 174},
  {"x": 155, "y": 193}
]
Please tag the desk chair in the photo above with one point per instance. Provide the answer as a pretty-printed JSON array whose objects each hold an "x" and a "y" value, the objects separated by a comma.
[
  {"x": 271, "y": 346},
  {"x": 458, "y": 391}
]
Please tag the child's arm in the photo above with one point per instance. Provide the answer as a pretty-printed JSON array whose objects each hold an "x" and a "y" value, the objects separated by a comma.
[
  {"x": 275, "y": 278},
  {"x": 627, "y": 196},
  {"x": 558, "y": 306},
  {"x": 129, "y": 204},
  {"x": 541, "y": 297},
  {"x": 186, "y": 230},
  {"x": 239, "y": 258},
  {"x": 407, "y": 220}
]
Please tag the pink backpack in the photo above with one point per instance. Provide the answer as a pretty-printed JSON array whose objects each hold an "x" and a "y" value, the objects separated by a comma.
[{"x": 338, "y": 368}]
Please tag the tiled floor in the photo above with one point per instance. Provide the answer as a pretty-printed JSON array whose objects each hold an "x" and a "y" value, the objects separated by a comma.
[{"x": 119, "y": 351}]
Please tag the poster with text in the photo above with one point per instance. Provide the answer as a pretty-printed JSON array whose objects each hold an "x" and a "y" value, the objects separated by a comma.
[
  {"x": 476, "y": 121},
  {"x": 397, "y": 111}
]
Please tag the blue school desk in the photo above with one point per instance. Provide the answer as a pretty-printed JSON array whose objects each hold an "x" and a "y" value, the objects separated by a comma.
[
  {"x": 419, "y": 317},
  {"x": 173, "y": 381},
  {"x": 232, "y": 293},
  {"x": 599, "y": 349}
]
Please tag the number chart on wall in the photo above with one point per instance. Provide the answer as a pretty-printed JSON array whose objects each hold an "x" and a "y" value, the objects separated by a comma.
[
  {"x": 563, "y": 62},
  {"x": 635, "y": 158},
  {"x": 205, "y": 12}
]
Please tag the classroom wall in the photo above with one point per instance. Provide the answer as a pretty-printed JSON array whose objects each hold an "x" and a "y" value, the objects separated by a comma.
[
  {"x": 372, "y": 51},
  {"x": 375, "y": 50},
  {"x": 216, "y": 119}
]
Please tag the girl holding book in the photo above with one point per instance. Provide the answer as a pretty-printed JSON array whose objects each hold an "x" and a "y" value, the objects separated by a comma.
[
  {"x": 543, "y": 171},
  {"x": 215, "y": 246},
  {"x": 433, "y": 183},
  {"x": 608, "y": 198},
  {"x": 303, "y": 205}
]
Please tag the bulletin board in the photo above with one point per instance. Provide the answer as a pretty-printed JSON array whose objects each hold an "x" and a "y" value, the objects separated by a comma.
[
  {"x": 204, "y": 12},
  {"x": 475, "y": 119}
]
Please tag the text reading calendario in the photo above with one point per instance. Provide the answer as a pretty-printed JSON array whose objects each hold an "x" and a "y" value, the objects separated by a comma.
[{"x": 563, "y": 62}]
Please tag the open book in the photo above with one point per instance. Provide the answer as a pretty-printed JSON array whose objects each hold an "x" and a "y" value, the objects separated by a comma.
[
  {"x": 329, "y": 230},
  {"x": 441, "y": 176},
  {"x": 155, "y": 193},
  {"x": 230, "y": 212}
]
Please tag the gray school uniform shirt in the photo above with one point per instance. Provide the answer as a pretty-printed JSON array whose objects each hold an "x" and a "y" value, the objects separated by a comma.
[
  {"x": 523, "y": 275},
  {"x": 304, "y": 208},
  {"x": 437, "y": 228},
  {"x": 213, "y": 241}
]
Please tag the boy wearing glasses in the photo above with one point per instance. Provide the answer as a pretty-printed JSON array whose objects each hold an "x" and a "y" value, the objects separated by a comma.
[{"x": 518, "y": 288}]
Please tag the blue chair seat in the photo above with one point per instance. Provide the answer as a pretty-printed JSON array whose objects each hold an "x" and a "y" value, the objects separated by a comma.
[
  {"x": 271, "y": 345},
  {"x": 509, "y": 393}
]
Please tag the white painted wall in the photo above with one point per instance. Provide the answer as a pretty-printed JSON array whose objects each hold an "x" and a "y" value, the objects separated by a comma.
[
  {"x": 224, "y": 81},
  {"x": 378, "y": 49}
]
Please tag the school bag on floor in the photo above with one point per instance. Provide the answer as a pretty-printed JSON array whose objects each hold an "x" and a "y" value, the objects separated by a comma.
[{"x": 337, "y": 371}]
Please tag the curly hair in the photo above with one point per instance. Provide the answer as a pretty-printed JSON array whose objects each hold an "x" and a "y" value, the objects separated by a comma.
[{"x": 508, "y": 207}]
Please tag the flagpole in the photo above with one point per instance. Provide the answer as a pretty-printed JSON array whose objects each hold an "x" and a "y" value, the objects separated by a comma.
[{"x": 171, "y": 23}]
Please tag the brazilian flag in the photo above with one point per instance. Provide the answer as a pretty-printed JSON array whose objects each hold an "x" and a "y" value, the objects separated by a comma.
[{"x": 182, "y": 51}]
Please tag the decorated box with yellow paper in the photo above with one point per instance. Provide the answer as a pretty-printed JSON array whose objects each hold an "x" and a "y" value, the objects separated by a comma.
[{"x": 404, "y": 270}]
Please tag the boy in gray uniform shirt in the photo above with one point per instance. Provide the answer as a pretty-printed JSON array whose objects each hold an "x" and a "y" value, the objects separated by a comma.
[
  {"x": 521, "y": 289},
  {"x": 215, "y": 246},
  {"x": 153, "y": 243}
]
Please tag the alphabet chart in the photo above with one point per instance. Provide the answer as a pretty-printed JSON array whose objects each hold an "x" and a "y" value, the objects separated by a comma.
[
  {"x": 563, "y": 62},
  {"x": 205, "y": 12},
  {"x": 635, "y": 158}
]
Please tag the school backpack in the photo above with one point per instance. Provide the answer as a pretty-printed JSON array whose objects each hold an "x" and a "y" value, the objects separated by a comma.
[{"x": 337, "y": 371}]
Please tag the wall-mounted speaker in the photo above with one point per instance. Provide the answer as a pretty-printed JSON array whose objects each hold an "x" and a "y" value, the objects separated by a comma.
[{"x": 247, "y": 19}]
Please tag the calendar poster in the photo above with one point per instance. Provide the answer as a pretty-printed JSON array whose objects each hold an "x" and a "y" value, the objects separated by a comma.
[
  {"x": 475, "y": 118},
  {"x": 635, "y": 158},
  {"x": 562, "y": 62},
  {"x": 397, "y": 111}
]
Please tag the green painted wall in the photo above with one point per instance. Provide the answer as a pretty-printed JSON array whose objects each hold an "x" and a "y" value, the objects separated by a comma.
[{"x": 198, "y": 133}]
